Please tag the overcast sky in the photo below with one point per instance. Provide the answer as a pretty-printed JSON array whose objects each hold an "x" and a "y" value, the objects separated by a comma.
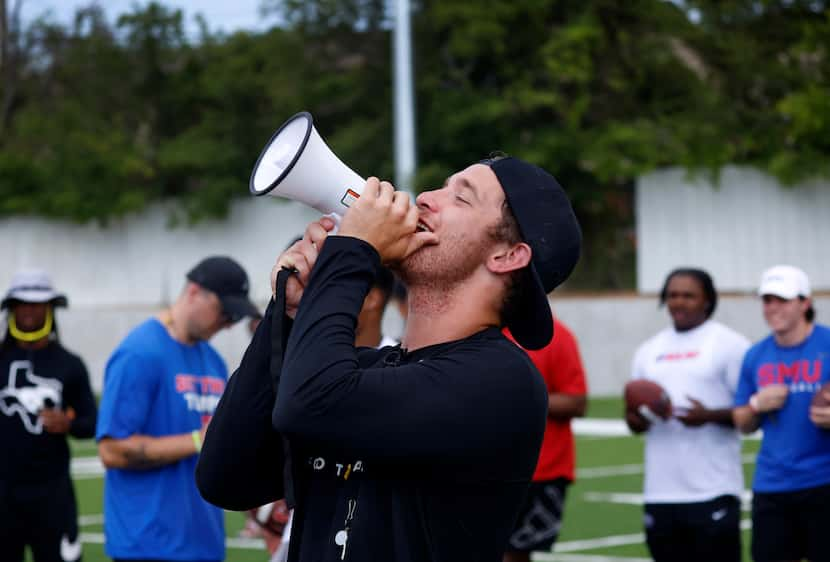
[{"x": 225, "y": 15}]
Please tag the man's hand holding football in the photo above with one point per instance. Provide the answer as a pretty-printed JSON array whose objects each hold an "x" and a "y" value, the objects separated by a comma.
[{"x": 820, "y": 415}]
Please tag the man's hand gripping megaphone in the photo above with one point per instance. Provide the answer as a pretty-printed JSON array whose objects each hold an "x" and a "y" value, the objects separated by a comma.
[{"x": 384, "y": 218}]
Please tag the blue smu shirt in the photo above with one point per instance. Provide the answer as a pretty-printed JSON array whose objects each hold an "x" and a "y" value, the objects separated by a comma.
[
  {"x": 154, "y": 385},
  {"x": 795, "y": 453}
]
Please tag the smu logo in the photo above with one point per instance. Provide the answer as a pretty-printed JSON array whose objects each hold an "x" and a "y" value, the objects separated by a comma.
[{"x": 803, "y": 372}]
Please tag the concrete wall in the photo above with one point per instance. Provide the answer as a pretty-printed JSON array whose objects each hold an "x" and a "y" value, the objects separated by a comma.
[
  {"x": 734, "y": 229},
  {"x": 142, "y": 261}
]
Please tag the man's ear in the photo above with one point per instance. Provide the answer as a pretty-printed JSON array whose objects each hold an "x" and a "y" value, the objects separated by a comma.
[
  {"x": 191, "y": 290},
  {"x": 509, "y": 258}
]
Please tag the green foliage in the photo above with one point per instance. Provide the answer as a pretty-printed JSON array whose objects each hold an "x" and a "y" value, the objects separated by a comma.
[{"x": 106, "y": 119}]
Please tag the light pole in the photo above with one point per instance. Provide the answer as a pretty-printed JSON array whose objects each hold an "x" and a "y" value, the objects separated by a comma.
[{"x": 404, "y": 99}]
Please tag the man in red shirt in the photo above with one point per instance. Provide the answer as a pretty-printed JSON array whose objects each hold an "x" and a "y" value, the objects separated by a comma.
[{"x": 541, "y": 517}]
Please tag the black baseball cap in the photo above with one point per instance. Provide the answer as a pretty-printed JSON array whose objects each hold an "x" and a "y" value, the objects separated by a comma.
[
  {"x": 226, "y": 278},
  {"x": 548, "y": 225}
]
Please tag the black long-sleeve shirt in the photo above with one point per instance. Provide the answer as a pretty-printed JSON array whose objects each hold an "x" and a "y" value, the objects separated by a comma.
[
  {"x": 29, "y": 381},
  {"x": 417, "y": 456}
]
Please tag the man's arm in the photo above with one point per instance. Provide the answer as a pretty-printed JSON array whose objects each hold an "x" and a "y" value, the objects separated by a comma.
[
  {"x": 83, "y": 403},
  {"x": 565, "y": 376},
  {"x": 698, "y": 415},
  {"x": 732, "y": 347},
  {"x": 241, "y": 463},
  {"x": 635, "y": 421},
  {"x": 769, "y": 399},
  {"x": 141, "y": 452},
  {"x": 78, "y": 412},
  {"x": 745, "y": 419},
  {"x": 130, "y": 386},
  {"x": 566, "y": 406}
]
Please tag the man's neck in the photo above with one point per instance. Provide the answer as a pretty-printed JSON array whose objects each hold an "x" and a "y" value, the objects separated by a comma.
[
  {"x": 795, "y": 336},
  {"x": 173, "y": 319},
  {"x": 33, "y": 345},
  {"x": 446, "y": 315}
]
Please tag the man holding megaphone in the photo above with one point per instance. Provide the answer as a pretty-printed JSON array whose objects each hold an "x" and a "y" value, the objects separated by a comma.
[{"x": 420, "y": 452}]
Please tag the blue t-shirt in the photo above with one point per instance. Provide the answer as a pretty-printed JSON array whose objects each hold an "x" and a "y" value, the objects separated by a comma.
[
  {"x": 154, "y": 385},
  {"x": 795, "y": 453}
]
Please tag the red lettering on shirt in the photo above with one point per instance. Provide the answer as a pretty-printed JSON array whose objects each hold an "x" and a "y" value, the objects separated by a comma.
[
  {"x": 678, "y": 355},
  {"x": 766, "y": 374},
  {"x": 788, "y": 373},
  {"x": 185, "y": 383},
  {"x": 815, "y": 376}
]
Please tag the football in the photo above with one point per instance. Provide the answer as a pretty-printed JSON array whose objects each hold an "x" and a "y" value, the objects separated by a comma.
[
  {"x": 819, "y": 399},
  {"x": 272, "y": 517},
  {"x": 640, "y": 393}
]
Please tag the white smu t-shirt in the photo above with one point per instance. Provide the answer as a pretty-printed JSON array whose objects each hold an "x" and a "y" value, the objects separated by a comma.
[{"x": 692, "y": 464}]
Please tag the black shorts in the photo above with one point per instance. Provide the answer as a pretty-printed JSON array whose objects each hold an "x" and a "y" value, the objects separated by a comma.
[
  {"x": 42, "y": 516},
  {"x": 540, "y": 519},
  {"x": 791, "y": 525},
  {"x": 679, "y": 532}
]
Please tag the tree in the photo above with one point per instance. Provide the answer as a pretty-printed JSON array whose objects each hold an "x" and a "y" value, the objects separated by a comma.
[
  {"x": 104, "y": 120},
  {"x": 9, "y": 58}
]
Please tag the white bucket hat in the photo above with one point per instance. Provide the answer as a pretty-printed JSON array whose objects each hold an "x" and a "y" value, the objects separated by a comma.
[{"x": 32, "y": 285}]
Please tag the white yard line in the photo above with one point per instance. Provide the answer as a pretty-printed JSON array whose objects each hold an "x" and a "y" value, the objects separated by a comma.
[
  {"x": 85, "y": 468},
  {"x": 628, "y": 498},
  {"x": 628, "y": 469},
  {"x": 87, "y": 520},
  {"x": 230, "y": 542},
  {"x": 92, "y": 538},
  {"x": 613, "y": 497},
  {"x": 597, "y": 427},
  {"x": 599, "y": 542},
  {"x": 546, "y": 557},
  {"x": 245, "y": 543},
  {"x": 562, "y": 547},
  {"x": 606, "y": 471},
  {"x": 607, "y": 427}
]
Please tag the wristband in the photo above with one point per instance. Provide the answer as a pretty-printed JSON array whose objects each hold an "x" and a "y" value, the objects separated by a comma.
[
  {"x": 197, "y": 439},
  {"x": 753, "y": 404}
]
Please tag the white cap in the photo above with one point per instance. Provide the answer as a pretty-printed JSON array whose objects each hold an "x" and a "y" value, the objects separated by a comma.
[
  {"x": 784, "y": 281},
  {"x": 33, "y": 285}
]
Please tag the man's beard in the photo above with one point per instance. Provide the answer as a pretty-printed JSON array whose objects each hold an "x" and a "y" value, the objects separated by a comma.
[{"x": 445, "y": 265}]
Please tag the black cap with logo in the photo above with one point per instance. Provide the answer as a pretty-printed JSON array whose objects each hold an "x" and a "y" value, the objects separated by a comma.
[{"x": 226, "y": 278}]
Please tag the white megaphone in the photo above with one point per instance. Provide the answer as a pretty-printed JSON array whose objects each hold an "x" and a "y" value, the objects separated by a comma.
[{"x": 297, "y": 164}]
